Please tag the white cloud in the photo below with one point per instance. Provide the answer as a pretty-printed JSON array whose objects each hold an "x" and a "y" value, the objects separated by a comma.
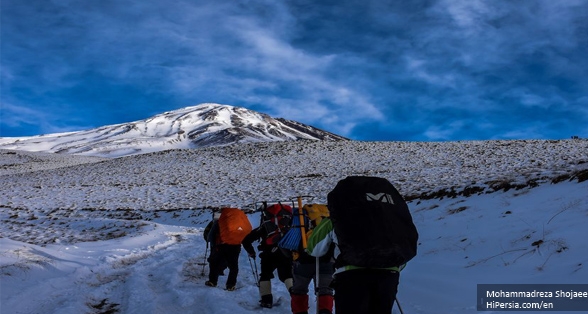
[
  {"x": 417, "y": 68},
  {"x": 443, "y": 132},
  {"x": 467, "y": 14},
  {"x": 461, "y": 55},
  {"x": 14, "y": 116},
  {"x": 269, "y": 62},
  {"x": 44, "y": 118}
]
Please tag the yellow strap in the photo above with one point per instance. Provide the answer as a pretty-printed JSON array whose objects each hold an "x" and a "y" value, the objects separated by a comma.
[{"x": 301, "y": 217}]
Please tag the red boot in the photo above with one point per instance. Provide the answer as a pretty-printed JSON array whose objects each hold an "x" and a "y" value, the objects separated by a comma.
[
  {"x": 325, "y": 304},
  {"x": 299, "y": 303}
]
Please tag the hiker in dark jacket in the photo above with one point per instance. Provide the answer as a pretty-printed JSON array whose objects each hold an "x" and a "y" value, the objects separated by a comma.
[
  {"x": 358, "y": 290},
  {"x": 206, "y": 234},
  {"x": 304, "y": 270},
  {"x": 272, "y": 258},
  {"x": 222, "y": 255},
  {"x": 374, "y": 236}
]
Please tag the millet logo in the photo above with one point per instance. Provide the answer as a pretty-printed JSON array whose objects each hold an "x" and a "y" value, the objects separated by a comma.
[{"x": 380, "y": 197}]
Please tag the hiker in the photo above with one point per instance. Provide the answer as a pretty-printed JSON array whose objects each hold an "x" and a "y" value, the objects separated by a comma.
[
  {"x": 226, "y": 234},
  {"x": 304, "y": 269},
  {"x": 222, "y": 262},
  {"x": 374, "y": 237},
  {"x": 275, "y": 220}
]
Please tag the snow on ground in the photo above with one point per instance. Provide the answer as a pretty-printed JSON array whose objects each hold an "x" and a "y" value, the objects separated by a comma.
[
  {"x": 125, "y": 235},
  {"x": 15, "y": 162},
  {"x": 242, "y": 174},
  {"x": 532, "y": 236}
]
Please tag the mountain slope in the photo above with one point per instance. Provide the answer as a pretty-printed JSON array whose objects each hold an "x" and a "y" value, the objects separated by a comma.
[
  {"x": 124, "y": 235},
  {"x": 199, "y": 126},
  {"x": 241, "y": 174}
]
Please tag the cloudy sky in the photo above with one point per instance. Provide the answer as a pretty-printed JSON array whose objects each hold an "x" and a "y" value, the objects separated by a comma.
[{"x": 422, "y": 70}]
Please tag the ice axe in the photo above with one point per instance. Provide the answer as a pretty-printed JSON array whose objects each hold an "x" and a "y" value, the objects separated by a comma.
[{"x": 301, "y": 218}]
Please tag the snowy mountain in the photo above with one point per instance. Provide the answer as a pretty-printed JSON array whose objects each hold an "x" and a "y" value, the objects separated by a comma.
[
  {"x": 199, "y": 126},
  {"x": 124, "y": 235}
]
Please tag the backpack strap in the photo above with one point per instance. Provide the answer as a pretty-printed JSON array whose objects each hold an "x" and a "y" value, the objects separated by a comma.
[
  {"x": 277, "y": 216},
  {"x": 263, "y": 209}
]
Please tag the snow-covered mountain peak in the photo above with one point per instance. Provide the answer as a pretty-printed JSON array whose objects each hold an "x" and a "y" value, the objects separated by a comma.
[{"x": 199, "y": 126}]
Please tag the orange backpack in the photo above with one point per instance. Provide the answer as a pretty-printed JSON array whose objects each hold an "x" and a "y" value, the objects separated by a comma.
[{"x": 234, "y": 226}]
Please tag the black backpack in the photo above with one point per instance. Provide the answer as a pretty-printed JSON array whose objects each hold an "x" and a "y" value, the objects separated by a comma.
[{"x": 372, "y": 222}]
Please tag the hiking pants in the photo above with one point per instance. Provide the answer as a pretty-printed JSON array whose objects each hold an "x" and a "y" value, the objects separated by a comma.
[
  {"x": 222, "y": 262},
  {"x": 225, "y": 254},
  {"x": 304, "y": 273},
  {"x": 364, "y": 291},
  {"x": 271, "y": 261}
]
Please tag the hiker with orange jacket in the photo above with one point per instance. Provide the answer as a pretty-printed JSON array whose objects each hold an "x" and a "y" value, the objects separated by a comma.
[{"x": 227, "y": 233}]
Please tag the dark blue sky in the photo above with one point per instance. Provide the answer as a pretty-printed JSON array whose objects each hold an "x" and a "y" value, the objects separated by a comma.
[{"x": 369, "y": 70}]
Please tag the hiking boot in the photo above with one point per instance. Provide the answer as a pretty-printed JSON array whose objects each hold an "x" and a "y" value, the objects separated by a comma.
[
  {"x": 265, "y": 304},
  {"x": 210, "y": 284},
  {"x": 231, "y": 288},
  {"x": 267, "y": 301}
]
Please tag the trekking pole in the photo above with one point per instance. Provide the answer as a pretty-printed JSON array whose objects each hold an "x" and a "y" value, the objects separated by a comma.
[
  {"x": 254, "y": 272},
  {"x": 400, "y": 308},
  {"x": 204, "y": 263},
  {"x": 316, "y": 284}
]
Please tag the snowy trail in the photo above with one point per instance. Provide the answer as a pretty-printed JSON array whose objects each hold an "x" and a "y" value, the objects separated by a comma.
[
  {"x": 486, "y": 238},
  {"x": 151, "y": 283},
  {"x": 87, "y": 276},
  {"x": 170, "y": 281},
  {"x": 157, "y": 272}
]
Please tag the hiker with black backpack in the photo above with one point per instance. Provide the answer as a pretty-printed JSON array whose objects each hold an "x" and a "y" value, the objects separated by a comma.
[
  {"x": 307, "y": 268},
  {"x": 227, "y": 233},
  {"x": 374, "y": 238},
  {"x": 275, "y": 221}
]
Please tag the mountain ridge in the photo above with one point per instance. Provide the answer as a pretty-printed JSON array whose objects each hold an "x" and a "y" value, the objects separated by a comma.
[{"x": 200, "y": 126}]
